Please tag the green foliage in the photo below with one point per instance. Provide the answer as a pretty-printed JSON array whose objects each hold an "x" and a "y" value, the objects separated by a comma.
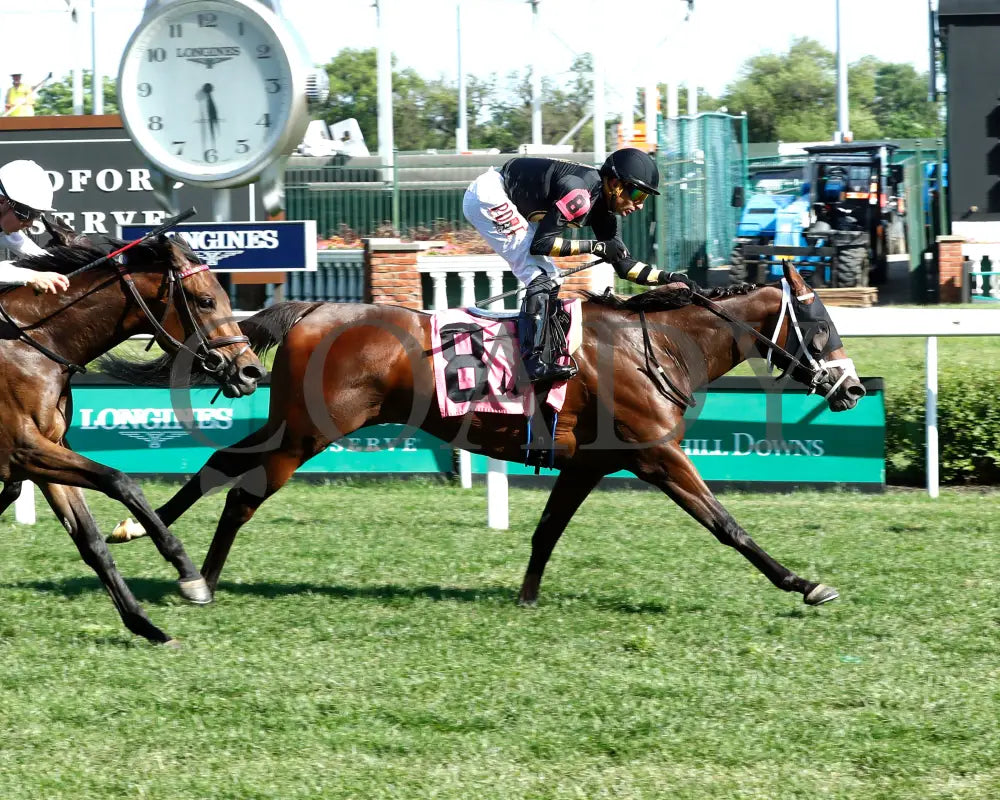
[
  {"x": 57, "y": 97},
  {"x": 792, "y": 97}
]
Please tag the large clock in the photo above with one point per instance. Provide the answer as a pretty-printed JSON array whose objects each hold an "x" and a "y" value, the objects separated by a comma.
[{"x": 213, "y": 91}]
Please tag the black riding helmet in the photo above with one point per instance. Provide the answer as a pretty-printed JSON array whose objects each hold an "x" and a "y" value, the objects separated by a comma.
[{"x": 631, "y": 165}]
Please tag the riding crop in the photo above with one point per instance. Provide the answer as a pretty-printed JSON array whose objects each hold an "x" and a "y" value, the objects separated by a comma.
[
  {"x": 157, "y": 231},
  {"x": 562, "y": 274}
]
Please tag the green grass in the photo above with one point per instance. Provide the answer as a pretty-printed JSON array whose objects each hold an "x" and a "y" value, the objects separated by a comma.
[{"x": 365, "y": 644}]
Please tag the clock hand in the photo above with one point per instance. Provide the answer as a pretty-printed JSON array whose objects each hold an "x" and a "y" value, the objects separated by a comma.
[{"x": 213, "y": 114}]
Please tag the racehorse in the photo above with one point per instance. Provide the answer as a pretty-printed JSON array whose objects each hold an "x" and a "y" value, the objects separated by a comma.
[
  {"x": 161, "y": 289},
  {"x": 342, "y": 366}
]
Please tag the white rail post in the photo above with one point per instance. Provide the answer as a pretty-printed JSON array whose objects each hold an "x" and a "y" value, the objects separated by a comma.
[
  {"x": 24, "y": 506},
  {"x": 497, "y": 494},
  {"x": 930, "y": 414}
]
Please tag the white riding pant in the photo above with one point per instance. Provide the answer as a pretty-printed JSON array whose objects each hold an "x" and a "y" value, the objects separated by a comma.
[{"x": 497, "y": 219}]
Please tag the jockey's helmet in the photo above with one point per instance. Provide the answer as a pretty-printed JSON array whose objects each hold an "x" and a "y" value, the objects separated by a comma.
[
  {"x": 26, "y": 183},
  {"x": 632, "y": 166}
]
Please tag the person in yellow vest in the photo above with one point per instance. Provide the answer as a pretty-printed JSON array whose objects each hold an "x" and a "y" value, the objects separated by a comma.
[{"x": 20, "y": 101}]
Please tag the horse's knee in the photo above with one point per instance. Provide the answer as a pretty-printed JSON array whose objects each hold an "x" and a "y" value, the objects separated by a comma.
[{"x": 240, "y": 505}]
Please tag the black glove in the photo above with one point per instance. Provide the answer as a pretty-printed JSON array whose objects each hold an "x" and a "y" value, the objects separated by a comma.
[
  {"x": 679, "y": 277},
  {"x": 613, "y": 251}
]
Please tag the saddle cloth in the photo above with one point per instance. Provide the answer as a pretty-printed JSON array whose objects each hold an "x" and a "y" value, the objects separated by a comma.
[{"x": 476, "y": 360}]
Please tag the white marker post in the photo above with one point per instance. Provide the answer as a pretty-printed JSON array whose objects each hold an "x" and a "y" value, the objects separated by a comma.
[{"x": 24, "y": 506}]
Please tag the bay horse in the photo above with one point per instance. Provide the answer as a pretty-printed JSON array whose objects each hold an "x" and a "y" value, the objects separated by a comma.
[
  {"x": 161, "y": 288},
  {"x": 340, "y": 367}
]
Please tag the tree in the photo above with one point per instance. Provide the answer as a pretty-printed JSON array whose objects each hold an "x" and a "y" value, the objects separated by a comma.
[
  {"x": 792, "y": 97},
  {"x": 787, "y": 97},
  {"x": 57, "y": 98}
]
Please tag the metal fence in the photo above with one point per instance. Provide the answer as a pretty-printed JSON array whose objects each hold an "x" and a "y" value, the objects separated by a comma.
[
  {"x": 339, "y": 278},
  {"x": 702, "y": 159}
]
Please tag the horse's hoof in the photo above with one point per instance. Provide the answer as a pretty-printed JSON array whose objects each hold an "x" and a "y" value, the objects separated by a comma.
[
  {"x": 173, "y": 644},
  {"x": 126, "y": 531},
  {"x": 821, "y": 594},
  {"x": 196, "y": 591}
]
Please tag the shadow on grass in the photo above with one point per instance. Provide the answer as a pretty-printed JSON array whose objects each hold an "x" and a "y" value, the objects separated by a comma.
[{"x": 152, "y": 591}]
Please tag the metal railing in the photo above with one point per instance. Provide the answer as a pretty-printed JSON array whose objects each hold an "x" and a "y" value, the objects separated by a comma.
[{"x": 339, "y": 278}]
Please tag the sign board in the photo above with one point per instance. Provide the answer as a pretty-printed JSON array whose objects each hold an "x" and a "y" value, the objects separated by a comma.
[
  {"x": 246, "y": 246},
  {"x": 101, "y": 180},
  {"x": 737, "y": 435}
]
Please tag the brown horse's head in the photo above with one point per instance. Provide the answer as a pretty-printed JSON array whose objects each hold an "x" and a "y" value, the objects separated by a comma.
[
  {"x": 191, "y": 319},
  {"x": 822, "y": 364}
]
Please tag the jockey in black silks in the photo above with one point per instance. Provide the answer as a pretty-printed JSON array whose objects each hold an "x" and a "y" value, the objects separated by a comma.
[{"x": 523, "y": 210}]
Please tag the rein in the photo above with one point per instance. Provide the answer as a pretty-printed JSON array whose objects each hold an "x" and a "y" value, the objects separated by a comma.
[
  {"x": 210, "y": 361},
  {"x": 818, "y": 369},
  {"x": 660, "y": 377}
]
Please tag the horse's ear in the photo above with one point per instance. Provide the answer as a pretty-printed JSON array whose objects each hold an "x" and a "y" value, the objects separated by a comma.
[
  {"x": 798, "y": 284},
  {"x": 62, "y": 234}
]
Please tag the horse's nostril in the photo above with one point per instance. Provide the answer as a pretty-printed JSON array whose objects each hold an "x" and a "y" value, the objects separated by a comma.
[
  {"x": 857, "y": 391},
  {"x": 251, "y": 373}
]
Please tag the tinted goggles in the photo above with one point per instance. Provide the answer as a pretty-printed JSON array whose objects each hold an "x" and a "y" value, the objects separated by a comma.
[
  {"x": 634, "y": 193},
  {"x": 22, "y": 212}
]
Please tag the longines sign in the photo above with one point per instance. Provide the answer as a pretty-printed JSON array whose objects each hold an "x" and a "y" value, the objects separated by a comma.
[
  {"x": 738, "y": 435},
  {"x": 246, "y": 246}
]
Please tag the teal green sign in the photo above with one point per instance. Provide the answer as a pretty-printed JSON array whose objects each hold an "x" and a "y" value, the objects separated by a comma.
[{"x": 736, "y": 434}]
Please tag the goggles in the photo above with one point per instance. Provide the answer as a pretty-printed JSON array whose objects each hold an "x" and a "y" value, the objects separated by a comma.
[
  {"x": 634, "y": 193},
  {"x": 23, "y": 212}
]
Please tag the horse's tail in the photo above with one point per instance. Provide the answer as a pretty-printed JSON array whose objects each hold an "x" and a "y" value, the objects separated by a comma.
[{"x": 267, "y": 329}]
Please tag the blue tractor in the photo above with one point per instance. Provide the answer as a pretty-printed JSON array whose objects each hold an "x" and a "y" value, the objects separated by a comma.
[{"x": 838, "y": 226}]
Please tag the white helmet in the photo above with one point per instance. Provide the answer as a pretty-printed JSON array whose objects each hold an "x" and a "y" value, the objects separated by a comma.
[{"x": 26, "y": 183}]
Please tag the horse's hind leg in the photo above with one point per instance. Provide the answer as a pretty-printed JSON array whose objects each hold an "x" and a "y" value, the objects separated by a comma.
[
  {"x": 669, "y": 468},
  {"x": 71, "y": 510},
  {"x": 571, "y": 488},
  {"x": 10, "y": 492}
]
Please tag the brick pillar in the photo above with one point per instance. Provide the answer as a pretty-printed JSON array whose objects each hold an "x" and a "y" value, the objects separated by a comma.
[
  {"x": 950, "y": 261},
  {"x": 596, "y": 279},
  {"x": 391, "y": 274}
]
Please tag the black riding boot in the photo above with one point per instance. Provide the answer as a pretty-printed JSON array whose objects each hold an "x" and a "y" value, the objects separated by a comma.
[{"x": 537, "y": 348}]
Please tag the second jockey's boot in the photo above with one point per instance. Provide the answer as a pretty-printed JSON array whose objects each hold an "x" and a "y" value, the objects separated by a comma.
[{"x": 537, "y": 347}]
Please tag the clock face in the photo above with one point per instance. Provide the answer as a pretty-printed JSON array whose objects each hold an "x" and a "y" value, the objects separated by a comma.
[{"x": 207, "y": 90}]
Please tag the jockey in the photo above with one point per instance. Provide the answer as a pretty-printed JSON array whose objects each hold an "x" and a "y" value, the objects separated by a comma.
[
  {"x": 522, "y": 211},
  {"x": 25, "y": 192}
]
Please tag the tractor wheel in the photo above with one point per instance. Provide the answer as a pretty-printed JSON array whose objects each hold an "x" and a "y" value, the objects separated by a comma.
[
  {"x": 850, "y": 267},
  {"x": 740, "y": 269}
]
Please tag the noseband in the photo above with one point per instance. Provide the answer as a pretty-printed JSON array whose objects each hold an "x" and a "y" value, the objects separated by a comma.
[
  {"x": 820, "y": 369},
  {"x": 205, "y": 354}
]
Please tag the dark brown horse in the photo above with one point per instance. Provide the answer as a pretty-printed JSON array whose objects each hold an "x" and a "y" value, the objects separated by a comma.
[
  {"x": 162, "y": 289},
  {"x": 340, "y": 367}
]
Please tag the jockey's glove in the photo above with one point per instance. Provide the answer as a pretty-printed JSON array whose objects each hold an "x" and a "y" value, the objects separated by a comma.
[{"x": 613, "y": 251}]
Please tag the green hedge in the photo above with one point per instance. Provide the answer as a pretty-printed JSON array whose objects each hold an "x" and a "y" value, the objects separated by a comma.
[{"x": 968, "y": 431}]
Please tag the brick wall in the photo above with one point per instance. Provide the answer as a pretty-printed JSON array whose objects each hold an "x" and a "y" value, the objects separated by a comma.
[
  {"x": 950, "y": 260},
  {"x": 391, "y": 274}
]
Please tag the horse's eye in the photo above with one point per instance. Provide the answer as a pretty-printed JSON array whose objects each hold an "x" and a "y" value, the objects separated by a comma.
[{"x": 206, "y": 302}]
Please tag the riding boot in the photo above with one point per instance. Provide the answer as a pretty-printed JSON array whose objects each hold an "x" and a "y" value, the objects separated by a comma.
[{"x": 537, "y": 347}]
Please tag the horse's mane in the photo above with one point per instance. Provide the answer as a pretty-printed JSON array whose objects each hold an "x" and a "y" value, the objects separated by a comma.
[
  {"x": 664, "y": 298},
  {"x": 64, "y": 259}
]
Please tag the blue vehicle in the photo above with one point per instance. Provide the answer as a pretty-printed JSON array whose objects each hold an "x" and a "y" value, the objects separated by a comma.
[{"x": 838, "y": 227}]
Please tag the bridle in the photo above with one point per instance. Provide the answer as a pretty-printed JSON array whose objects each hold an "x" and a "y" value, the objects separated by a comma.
[
  {"x": 205, "y": 353},
  {"x": 819, "y": 370}
]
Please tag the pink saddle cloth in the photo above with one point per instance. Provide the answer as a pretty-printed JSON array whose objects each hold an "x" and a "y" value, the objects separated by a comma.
[{"x": 476, "y": 361}]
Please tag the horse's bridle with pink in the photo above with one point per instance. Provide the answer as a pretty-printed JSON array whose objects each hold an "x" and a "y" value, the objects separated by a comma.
[{"x": 206, "y": 353}]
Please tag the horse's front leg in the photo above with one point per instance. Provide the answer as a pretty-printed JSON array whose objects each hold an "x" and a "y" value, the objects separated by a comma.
[
  {"x": 668, "y": 467},
  {"x": 571, "y": 488},
  {"x": 10, "y": 492},
  {"x": 46, "y": 461},
  {"x": 71, "y": 509}
]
